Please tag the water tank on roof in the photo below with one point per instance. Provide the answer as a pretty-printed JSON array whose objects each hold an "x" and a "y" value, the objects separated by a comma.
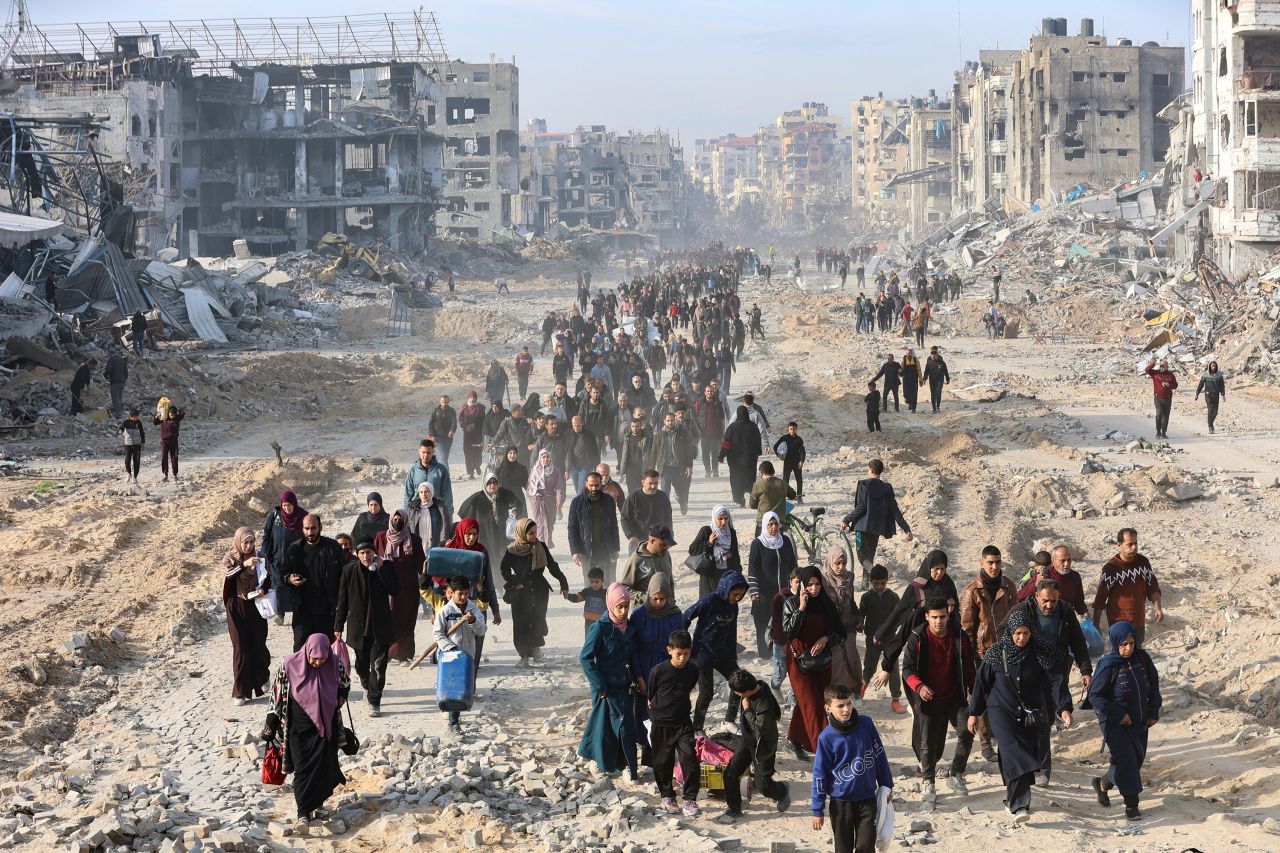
[
  {"x": 1086, "y": 26},
  {"x": 1060, "y": 26},
  {"x": 1048, "y": 27},
  {"x": 1151, "y": 44},
  {"x": 1124, "y": 43}
]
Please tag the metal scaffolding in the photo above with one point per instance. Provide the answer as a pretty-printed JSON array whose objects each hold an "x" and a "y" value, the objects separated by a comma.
[{"x": 216, "y": 46}]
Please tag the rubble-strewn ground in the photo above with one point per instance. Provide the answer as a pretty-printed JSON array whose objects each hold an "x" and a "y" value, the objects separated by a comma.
[{"x": 118, "y": 726}]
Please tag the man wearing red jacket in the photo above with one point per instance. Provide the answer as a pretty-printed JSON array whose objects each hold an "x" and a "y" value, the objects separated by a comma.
[{"x": 1165, "y": 383}]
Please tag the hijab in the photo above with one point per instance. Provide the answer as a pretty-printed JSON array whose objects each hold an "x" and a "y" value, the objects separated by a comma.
[
  {"x": 772, "y": 542},
  {"x": 1005, "y": 649},
  {"x": 660, "y": 582},
  {"x": 315, "y": 688},
  {"x": 724, "y": 536},
  {"x": 1117, "y": 634},
  {"x": 399, "y": 542},
  {"x": 616, "y": 594},
  {"x": 935, "y": 557},
  {"x": 233, "y": 560},
  {"x": 460, "y": 531},
  {"x": 292, "y": 521},
  {"x": 543, "y": 476},
  {"x": 521, "y": 546},
  {"x": 838, "y": 586}
]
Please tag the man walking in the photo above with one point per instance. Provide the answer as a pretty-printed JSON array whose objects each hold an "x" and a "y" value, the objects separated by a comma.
[
  {"x": 644, "y": 508},
  {"x": 116, "y": 372},
  {"x": 874, "y": 515},
  {"x": 313, "y": 567},
  {"x": 364, "y": 613},
  {"x": 593, "y": 530},
  {"x": 769, "y": 494},
  {"x": 428, "y": 469},
  {"x": 984, "y": 604},
  {"x": 1127, "y": 583},
  {"x": 441, "y": 427},
  {"x": 1164, "y": 383},
  {"x": 138, "y": 332},
  {"x": 673, "y": 452},
  {"x": 891, "y": 371},
  {"x": 581, "y": 453},
  {"x": 524, "y": 369},
  {"x": 80, "y": 382}
]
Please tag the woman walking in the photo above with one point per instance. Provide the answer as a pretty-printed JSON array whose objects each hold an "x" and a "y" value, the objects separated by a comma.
[
  {"x": 546, "y": 493},
  {"x": 741, "y": 449},
  {"x": 250, "y": 660},
  {"x": 511, "y": 474},
  {"x": 837, "y": 584},
  {"x": 720, "y": 540},
  {"x": 654, "y": 621},
  {"x": 427, "y": 518},
  {"x": 1013, "y": 689},
  {"x": 310, "y": 687},
  {"x": 371, "y": 522},
  {"x": 812, "y": 629},
  {"x": 611, "y": 733},
  {"x": 283, "y": 528},
  {"x": 1125, "y": 693},
  {"x": 770, "y": 563},
  {"x": 402, "y": 547},
  {"x": 527, "y": 591}
]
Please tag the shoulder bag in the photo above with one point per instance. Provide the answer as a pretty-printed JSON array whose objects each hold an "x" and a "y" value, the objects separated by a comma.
[
  {"x": 700, "y": 564},
  {"x": 349, "y": 743},
  {"x": 1029, "y": 718},
  {"x": 273, "y": 765},
  {"x": 811, "y": 664}
]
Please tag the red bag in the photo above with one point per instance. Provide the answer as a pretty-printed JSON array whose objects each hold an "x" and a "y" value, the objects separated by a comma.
[{"x": 273, "y": 766}]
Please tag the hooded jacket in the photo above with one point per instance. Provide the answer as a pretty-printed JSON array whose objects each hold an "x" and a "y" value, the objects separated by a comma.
[
  {"x": 741, "y": 445},
  {"x": 716, "y": 637},
  {"x": 1125, "y": 685}
]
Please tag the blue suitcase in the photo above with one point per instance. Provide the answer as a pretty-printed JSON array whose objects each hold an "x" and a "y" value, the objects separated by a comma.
[
  {"x": 455, "y": 562},
  {"x": 455, "y": 681}
]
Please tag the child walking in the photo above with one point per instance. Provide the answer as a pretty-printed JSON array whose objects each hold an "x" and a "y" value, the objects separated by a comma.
[
  {"x": 849, "y": 767},
  {"x": 873, "y": 408},
  {"x": 591, "y": 598},
  {"x": 671, "y": 733},
  {"x": 133, "y": 436},
  {"x": 757, "y": 746},
  {"x": 877, "y": 606},
  {"x": 460, "y": 607}
]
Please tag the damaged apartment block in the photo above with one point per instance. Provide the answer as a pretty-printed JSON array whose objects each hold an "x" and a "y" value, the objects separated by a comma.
[{"x": 271, "y": 131}]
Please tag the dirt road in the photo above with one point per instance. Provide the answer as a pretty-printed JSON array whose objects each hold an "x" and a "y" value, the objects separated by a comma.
[{"x": 151, "y": 707}]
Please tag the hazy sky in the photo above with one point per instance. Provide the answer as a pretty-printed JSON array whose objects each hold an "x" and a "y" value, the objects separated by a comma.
[{"x": 707, "y": 67}]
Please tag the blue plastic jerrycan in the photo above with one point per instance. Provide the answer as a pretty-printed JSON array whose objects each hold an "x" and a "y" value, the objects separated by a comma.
[{"x": 455, "y": 681}]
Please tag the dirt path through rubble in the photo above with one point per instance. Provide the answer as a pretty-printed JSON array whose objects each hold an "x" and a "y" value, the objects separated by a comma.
[{"x": 152, "y": 710}]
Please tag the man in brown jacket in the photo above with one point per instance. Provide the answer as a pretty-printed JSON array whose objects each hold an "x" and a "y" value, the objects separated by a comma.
[
  {"x": 984, "y": 604},
  {"x": 770, "y": 494}
]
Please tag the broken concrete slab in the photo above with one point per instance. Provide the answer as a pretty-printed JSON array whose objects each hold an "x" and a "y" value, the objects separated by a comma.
[{"x": 1184, "y": 492}]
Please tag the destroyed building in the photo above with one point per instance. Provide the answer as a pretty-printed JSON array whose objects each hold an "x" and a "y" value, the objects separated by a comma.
[
  {"x": 1085, "y": 112},
  {"x": 882, "y": 153},
  {"x": 980, "y": 129},
  {"x": 241, "y": 132},
  {"x": 479, "y": 118},
  {"x": 929, "y": 164}
]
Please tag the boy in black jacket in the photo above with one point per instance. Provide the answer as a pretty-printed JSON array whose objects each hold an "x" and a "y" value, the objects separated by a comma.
[
  {"x": 873, "y": 408},
  {"x": 757, "y": 746},
  {"x": 671, "y": 734},
  {"x": 791, "y": 448},
  {"x": 877, "y": 606}
]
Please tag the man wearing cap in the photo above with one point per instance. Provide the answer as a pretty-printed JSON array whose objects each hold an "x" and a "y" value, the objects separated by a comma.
[
  {"x": 1164, "y": 384},
  {"x": 593, "y": 530},
  {"x": 643, "y": 508},
  {"x": 649, "y": 558},
  {"x": 364, "y": 613}
]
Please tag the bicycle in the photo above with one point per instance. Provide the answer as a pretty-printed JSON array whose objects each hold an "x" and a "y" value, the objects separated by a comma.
[{"x": 816, "y": 537}]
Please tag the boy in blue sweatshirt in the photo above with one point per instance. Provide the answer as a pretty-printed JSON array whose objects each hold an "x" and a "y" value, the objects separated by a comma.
[
  {"x": 849, "y": 765},
  {"x": 715, "y": 642}
]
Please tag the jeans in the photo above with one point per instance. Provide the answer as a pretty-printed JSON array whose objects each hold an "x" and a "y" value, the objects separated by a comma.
[
  {"x": 1163, "y": 405},
  {"x": 117, "y": 399},
  {"x": 579, "y": 477},
  {"x": 779, "y": 661},
  {"x": 138, "y": 344},
  {"x": 711, "y": 455},
  {"x": 787, "y": 471}
]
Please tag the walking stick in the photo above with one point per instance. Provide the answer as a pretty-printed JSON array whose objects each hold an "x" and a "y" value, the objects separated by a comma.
[{"x": 436, "y": 645}]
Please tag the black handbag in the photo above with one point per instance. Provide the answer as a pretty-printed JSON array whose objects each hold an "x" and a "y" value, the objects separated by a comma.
[
  {"x": 811, "y": 664},
  {"x": 700, "y": 564},
  {"x": 349, "y": 743},
  {"x": 1029, "y": 718}
]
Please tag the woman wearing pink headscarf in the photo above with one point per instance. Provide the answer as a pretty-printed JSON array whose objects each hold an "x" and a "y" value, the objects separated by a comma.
[
  {"x": 611, "y": 734},
  {"x": 546, "y": 493},
  {"x": 403, "y": 548},
  {"x": 310, "y": 687}
]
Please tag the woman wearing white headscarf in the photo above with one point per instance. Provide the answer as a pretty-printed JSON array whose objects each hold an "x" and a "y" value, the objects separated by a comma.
[
  {"x": 769, "y": 566},
  {"x": 428, "y": 518},
  {"x": 720, "y": 540},
  {"x": 546, "y": 493}
]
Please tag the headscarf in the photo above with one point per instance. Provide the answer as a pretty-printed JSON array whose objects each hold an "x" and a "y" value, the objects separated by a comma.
[
  {"x": 425, "y": 515},
  {"x": 660, "y": 582},
  {"x": 374, "y": 496},
  {"x": 935, "y": 557},
  {"x": 233, "y": 560},
  {"x": 522, "y": 547},
  {"x": 724, "y": 536},
  {"x": 838, "y": 586},
  {"x": 315, "y": 688},
  {"x": 616, "y": 594},
  {"x": 1005, "y": 649},
  {"x": 774, "y": 542},
  {"x": 292, "y": 521},
  {"x": 460, "y": 531},
  {"x": 543, "y": 477},
  {"x": 399, "y": 542}
]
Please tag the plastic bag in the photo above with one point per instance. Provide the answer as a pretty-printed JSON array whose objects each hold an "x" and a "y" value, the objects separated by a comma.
[
  {"x": 267, "y": 604},
  {"x": 339, "y": 649},
  {"x": 1092, "y": 638},
  {"x": 511, "y": 524},
  {"x": 884, "y": 818}
]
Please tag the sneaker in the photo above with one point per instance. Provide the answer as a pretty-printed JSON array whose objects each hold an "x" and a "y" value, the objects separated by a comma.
[
  {"x": 242, "y": 702},
  {"x": 957, "y": 785},
  {"x": 897, "y": 707},
  {"x": 1042, "y": 779},
  {"x": 798, "y": 751},
  {"x": 375, "y": 711},
  {"x": 690, "y": 809},
  {"x": 670, "y": 806},
  {"x": 989, "y": 754},
  {"x": 1132, "y": 813},
  {"x": 1099, "y": 788},
  {"x": 784, "y": 802},
  {"x": 523, "y": 663},
  {"x": 1021, "y": 816},
  {"x": 928, "y": 795},
  {"x": 728, "y": 818}
]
